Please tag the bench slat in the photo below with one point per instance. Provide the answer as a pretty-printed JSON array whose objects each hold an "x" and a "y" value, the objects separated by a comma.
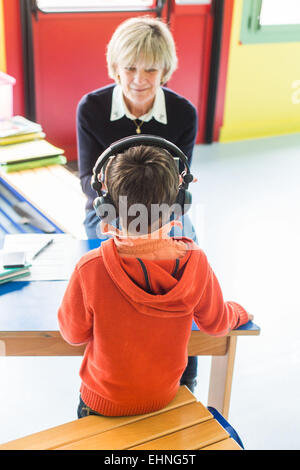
[
  {"x": 191, "y": 438},
  {"x": 86, "y": 427},
  {"x": 143, "y": 430}
]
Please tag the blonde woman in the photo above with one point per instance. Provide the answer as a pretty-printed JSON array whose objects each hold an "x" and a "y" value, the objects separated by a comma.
[{"x": 141, "y": 58}]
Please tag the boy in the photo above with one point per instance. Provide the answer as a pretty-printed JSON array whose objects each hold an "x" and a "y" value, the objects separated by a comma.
[{"x": 132, "y": 301}]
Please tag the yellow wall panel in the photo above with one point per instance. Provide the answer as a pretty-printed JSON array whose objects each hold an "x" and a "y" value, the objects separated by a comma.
[
  {"x": 2, "y": 40},
  {"x": 263, "y": 87}
]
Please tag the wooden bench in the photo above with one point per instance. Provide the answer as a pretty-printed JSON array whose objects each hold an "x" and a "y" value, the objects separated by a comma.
[{"x": 184, "y": 424}]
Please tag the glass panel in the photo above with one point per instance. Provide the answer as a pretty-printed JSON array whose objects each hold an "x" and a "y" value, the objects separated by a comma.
[
  {"x": 267, "y": 21},
  {"x": 91, "y": 5},
  {"x": 279, "y": 12}
]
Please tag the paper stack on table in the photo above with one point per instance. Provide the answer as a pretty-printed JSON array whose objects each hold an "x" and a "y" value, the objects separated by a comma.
[
  {"x": 10, "y": 274},
  {"x": 54, "y": 263}
]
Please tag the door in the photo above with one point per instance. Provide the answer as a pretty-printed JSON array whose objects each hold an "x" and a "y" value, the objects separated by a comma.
[{"x": 66, "y": 49}]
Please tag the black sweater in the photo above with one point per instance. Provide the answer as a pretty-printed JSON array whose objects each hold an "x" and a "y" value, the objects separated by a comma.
[{"x": 95, "y": 131}]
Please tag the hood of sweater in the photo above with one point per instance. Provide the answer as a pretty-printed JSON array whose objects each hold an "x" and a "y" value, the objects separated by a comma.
[{"x": 158, "y": 287}]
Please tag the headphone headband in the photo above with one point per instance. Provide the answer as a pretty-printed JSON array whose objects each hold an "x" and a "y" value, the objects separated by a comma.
[
  {"x": 151, "y": 140},
  {"x": 132, "y": 141},
  {"x": 184, "y": 197}
]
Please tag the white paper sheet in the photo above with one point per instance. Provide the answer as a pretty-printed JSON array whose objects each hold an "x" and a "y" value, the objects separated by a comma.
[{"x": 55, "y": 263}]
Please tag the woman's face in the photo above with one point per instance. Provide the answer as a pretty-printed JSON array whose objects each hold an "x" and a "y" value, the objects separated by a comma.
[{"x": 139, "y": 85}]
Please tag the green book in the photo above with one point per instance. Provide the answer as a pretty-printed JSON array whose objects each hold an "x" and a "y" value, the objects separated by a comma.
[
  {"x": 26, "y": 151},
  {"x": 16, "y": 276},
  {"x": 9, "y": 274},
  {"x": 11, "y": 167}
]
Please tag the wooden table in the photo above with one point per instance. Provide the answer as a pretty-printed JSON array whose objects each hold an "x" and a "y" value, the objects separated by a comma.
[{"x": 185, "y": 424}]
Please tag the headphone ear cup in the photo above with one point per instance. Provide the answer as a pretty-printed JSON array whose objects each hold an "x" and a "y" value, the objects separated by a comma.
[
  {"x": 184, "y": 200},
  {"x": 105, "y": 208},
  {"x": 96, "y": 185}
]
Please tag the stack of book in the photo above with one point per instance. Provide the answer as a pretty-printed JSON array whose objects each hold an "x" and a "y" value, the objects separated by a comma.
[
  {"x": 10, "y": 274},
  {"x": 23, "y": 146}
]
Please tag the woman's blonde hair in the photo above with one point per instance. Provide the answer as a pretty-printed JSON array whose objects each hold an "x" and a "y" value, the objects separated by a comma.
[{"x": 142, "y": 40}]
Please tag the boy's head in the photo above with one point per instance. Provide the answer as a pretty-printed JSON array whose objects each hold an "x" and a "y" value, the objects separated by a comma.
[{"x": 143, "y": 184}]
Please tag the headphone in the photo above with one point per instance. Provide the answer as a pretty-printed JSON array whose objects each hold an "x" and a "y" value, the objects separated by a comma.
[{"x": 184, "y": 197}]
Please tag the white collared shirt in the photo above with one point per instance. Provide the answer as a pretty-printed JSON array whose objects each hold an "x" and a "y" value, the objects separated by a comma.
[{"x": 119, "y": 108}]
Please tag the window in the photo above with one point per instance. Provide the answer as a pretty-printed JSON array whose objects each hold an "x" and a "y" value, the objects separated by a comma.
[
  {"x": 49, "y": 6},
  {"x": 280, "y": 12},
  {"x": 270, "y": 21}
]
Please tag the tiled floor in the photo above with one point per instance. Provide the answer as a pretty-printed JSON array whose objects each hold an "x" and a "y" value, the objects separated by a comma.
[{"x": 246, "y": 212}]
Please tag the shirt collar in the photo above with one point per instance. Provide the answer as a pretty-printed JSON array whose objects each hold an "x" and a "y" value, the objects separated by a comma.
[{"x": 119, "y": 108}]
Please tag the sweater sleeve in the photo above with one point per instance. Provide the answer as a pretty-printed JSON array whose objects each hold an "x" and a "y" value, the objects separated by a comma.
[
  {"x": 214, "y": 316},
  {"x": 74, "y": 318}
]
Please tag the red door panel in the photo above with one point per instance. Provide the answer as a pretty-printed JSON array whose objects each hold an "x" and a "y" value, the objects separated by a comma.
[
  {"x": 192, "y": 30},
  {"x": 69, "y": 57},
  {"x": 69, "y": 60}
]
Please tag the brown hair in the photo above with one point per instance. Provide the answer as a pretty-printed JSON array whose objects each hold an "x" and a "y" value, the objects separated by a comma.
[{"x": 147, "y": 176}]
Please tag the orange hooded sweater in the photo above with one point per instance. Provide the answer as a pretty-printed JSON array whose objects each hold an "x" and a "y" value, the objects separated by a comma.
[{"x": 135, "y": 315}]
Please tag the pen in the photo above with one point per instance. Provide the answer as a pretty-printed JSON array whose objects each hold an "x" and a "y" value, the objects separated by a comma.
[{"x": 43, "y": 248}]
